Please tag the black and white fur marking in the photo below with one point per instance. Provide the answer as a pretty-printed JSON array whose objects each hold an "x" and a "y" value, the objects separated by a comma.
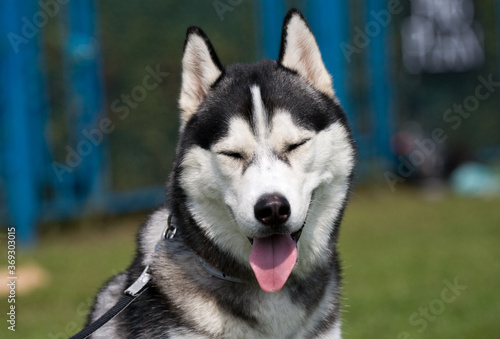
[{"x": 247, "y": 131}]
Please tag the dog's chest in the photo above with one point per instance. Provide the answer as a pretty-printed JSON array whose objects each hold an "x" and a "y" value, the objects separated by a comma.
[
  {"x": 275, "y": 315},
  {"x": 279, "y": 316}
]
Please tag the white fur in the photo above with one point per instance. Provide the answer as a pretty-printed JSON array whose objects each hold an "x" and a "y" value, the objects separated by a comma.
[
  {"x": 302, "y": 55},
  {"x": 199, "y": 72},
  {"x": 152, "y": 234},
  {"x": 239, "y": 139},
  {"x": 259, "y": 114},
  {"x": 334, "y": 333},
  {"x": 333, "y": 161},
  {"x": 200, "y": 178}
]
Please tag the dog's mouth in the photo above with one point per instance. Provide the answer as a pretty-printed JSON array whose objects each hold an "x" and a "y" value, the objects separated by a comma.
[
  {"x": 295, "y": 235},
  {"x": 273, "y": 258}
]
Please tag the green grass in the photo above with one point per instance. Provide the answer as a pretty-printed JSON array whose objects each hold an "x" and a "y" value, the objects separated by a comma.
[{"x": 398, "y": 249}]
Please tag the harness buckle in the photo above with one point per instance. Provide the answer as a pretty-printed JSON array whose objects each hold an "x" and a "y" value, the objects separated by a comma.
[{"x": 139, "y": 284}]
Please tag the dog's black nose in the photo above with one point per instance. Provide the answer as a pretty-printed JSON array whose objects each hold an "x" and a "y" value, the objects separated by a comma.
[{"x": 272, "y": 209}]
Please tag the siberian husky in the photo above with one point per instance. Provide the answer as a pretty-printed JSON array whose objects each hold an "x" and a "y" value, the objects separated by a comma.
[{"x": 254, "y": 202}]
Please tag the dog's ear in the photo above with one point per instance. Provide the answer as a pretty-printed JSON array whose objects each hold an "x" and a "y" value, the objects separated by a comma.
[
  {"x": 300, "y": 52},
  {"x": 200, "y": 69}
]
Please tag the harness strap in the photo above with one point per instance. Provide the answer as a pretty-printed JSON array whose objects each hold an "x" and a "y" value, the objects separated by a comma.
[
  {"x": 130, "y": 294},
  {"x": 110, "y": 314}
]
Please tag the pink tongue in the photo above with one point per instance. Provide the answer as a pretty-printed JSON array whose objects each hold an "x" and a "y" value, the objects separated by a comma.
[{"x": 272, "y": 260}]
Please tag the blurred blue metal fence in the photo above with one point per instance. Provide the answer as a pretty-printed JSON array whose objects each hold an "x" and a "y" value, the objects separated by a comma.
[
  {"x": 20, "y": 101},
  {"x": 27, "y": 166},
  {"x": 381, "y": 93},
  {"x": 35, "y": 187}
]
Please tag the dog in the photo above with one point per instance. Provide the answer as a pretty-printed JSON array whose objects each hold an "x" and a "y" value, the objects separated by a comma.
[{"x": 261, "y": 178}]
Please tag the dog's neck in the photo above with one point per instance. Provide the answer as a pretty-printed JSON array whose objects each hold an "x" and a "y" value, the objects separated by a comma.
[{"x": 170, "y": 232}]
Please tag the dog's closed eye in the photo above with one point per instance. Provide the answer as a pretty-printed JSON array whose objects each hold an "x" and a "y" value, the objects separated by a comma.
[
  {"x": 294, "y": 146},
  {"x": 234, "y": 155}
]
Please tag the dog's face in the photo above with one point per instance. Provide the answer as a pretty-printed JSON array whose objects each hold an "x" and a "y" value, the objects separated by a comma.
[{"x": 267, "y": 154}]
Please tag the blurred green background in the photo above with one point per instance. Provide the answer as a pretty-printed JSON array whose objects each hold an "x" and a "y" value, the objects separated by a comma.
[{"x": 400, "y": 246}]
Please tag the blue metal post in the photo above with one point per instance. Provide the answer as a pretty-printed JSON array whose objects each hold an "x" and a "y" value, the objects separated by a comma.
[
  {"x": 86, "y": 100},
  {"x": 19, "y": 106},
  {"x": 378, "y": 20},
  {"x": 497, "y": 4},
  {"x": 329, "y": 21},
  {"x": 271, "y": 17}
]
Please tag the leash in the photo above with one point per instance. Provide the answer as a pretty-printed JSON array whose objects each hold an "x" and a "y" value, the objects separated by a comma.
[
  {"x": 140, "y": 285},
  {"x": 130, "y": 294}
]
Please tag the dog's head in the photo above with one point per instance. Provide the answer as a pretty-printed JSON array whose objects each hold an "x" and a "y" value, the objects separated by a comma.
[{"x": 265, "y": 153}]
